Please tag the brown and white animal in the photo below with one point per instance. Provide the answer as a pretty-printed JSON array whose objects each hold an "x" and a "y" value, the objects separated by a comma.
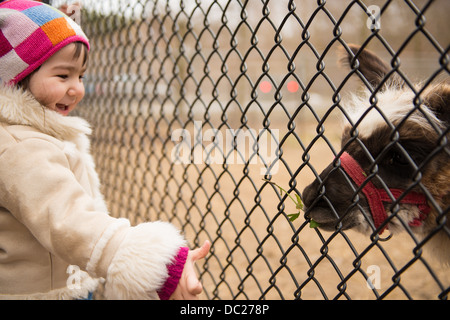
[{"x": 393, "y": 169}]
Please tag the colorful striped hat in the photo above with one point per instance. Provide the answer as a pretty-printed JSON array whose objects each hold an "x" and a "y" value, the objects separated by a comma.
[{"x": 30, "y": 33}]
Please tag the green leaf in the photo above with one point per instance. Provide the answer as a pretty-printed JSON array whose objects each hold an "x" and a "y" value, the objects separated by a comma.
[
  {"x": 299, "y": 204},
  {"x": 313, "y": 224},
  {"x": 293, "y": 216}
]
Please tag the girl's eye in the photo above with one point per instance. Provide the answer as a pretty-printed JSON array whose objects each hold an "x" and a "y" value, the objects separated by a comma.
[{"x": 62, "y": 76}]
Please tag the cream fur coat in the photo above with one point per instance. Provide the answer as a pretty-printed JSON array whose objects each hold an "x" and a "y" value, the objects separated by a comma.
[{"x": 57, "y": 240}]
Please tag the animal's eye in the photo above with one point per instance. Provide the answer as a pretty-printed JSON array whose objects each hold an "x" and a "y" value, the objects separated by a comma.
[{"x": 397, "y": 158}]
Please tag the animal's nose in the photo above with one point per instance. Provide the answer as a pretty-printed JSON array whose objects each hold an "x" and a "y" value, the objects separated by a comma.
[{"x": 310, "y": 193}]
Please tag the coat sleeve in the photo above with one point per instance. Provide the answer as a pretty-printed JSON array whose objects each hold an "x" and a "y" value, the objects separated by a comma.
[{"x": 39, "y": 189}]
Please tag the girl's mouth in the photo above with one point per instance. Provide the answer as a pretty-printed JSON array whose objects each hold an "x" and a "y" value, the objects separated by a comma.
[{"x": 62, "y": 108}]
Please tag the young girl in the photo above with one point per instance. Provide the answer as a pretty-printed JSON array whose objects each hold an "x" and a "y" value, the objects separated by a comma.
[{"x": 57, "y": 240}]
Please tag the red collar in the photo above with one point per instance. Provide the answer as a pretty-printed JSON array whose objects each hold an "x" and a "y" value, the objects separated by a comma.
[{"x": 376, "y": 197}]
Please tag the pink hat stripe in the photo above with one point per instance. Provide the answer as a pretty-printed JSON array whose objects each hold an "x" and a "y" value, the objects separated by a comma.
[
  {"x": 6, "y": 46},
  {"x": 36, "y": 46},
  {"x": 20, "y": 5}
]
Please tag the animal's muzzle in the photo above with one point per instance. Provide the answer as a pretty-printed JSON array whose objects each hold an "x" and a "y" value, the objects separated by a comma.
[{"x": 375, "y": 197}]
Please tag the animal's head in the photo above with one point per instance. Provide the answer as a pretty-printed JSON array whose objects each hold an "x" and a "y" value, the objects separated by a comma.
[{"x": 394, "y": 146}]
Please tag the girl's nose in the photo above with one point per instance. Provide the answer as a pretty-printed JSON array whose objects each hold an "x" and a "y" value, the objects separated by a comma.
[
  {"x": 72, "y": 92},
  {"x": 76, "y": 89}
]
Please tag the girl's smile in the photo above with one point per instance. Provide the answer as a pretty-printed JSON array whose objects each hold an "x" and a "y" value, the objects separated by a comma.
[{"x": 58, "y": 83}]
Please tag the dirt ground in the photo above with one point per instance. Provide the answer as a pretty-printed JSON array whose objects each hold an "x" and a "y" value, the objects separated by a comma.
[{"x": 256, "y": 252}]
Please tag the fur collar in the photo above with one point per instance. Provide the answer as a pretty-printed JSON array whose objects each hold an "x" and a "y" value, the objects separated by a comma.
[{"x": 18, "y": 107}]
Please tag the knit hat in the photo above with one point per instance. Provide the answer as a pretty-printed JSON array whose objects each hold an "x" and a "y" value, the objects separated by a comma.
[{"x": 30, "y": 33}]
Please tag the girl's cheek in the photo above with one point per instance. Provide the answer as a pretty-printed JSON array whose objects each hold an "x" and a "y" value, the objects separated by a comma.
[
  {"x": 42, "y": 99},
  {"x": 42, "y": 93},
  {"x": 37, "y": 89},
  {"x": 37, "y": 93}
]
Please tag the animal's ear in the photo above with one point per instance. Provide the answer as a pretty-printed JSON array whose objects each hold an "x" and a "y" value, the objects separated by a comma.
[
  {"x": 371, "y": 66},
  {"x": 438, "y": 100}
]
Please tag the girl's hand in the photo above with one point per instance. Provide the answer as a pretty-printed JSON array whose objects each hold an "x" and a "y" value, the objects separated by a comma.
[{"x": 189, "y": 286}]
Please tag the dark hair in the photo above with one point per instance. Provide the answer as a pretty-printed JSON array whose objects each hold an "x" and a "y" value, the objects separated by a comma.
[{"x": 80, "y": 48}]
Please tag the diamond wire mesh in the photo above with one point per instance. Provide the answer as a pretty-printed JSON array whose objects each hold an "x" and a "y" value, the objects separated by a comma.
[{"x": 267, "y": 69}]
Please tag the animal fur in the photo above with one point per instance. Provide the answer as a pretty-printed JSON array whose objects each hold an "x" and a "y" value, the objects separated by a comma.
[{"x": 410, "y": 148}]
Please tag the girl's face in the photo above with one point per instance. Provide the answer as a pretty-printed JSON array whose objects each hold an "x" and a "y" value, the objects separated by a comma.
[{"x": 58, "y": 83}]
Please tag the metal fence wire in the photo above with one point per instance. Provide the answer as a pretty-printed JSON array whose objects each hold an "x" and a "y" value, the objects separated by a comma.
[{"x": 203, "y": 109}]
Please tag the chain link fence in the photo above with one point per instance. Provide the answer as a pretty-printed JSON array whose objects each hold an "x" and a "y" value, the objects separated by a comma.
[{"x": 182, "y": 96}]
